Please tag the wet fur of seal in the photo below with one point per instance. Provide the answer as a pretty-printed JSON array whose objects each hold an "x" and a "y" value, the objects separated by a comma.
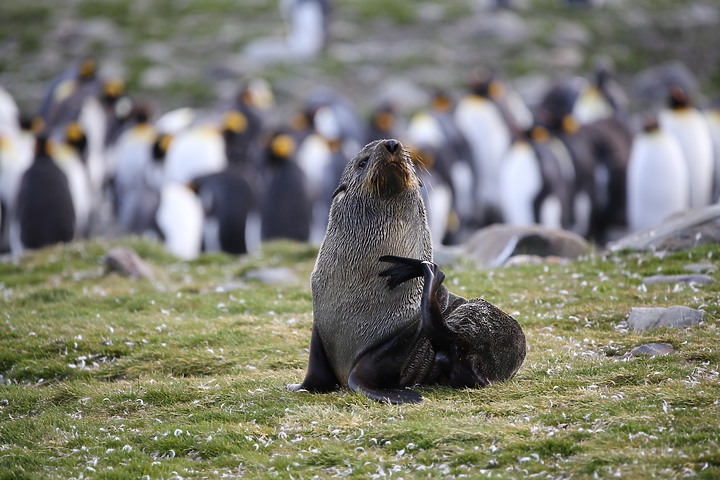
[{"x": 381, "y": 330}]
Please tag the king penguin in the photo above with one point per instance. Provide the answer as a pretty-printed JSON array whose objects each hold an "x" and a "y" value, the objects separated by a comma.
[
  {"x": 602, "y": 97},
  {"x": 17, "y": 146},
  {"x": 521, "y": 182},
  {"x": 132, "y": 156},
  {"x": 70, "y": 156},
  {"x": 657, "y": 177},
  {"x": 45, "y": 212},
  {"x": 481, "y": 121},
  {"x": 307, "y": 23},
  {"x": 227, "y": 200},
  {"x": 690, "y": 128},
  {"x": 199, "y": 150},
  {"x": 286, "y": 208},
  {"x": 179, "y": 218},
  {"x": 436, "y": 192}
]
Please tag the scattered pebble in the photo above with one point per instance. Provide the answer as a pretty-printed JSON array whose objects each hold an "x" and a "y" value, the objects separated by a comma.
[
  {"x": 272, "y": 275},
  {"x": 651, "y": 349},
  {"x": 125, "y": 261},
  {"x": 700, "y": 267},
  {"x": 697, "y": 278},
  {"x": 647, "y": 318}
]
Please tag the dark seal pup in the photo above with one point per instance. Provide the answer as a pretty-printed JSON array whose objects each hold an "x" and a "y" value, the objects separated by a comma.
[{"x": 378, "y": 328}]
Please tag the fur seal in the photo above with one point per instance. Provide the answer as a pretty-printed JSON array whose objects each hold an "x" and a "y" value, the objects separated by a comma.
[{"x": 382, "y": 329}]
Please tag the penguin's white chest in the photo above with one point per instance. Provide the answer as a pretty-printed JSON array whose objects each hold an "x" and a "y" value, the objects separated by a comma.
[{"x": 657, "y": 180}]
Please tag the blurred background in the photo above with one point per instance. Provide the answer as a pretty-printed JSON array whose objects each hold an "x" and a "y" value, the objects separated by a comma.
[
  {"x": 190, "y": 53},
  {"x": 229, "y": 122}
]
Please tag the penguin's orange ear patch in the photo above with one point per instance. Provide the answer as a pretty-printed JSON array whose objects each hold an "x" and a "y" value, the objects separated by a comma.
[
  {"x": 74, "y": 132},
  {"x": 569, "y": 124},
  {"x": 539, "y": 134},
  {"x": 283, "y": 145},
  {"x": 235, "y": 122},
  {"x": 164, "y": 142}
]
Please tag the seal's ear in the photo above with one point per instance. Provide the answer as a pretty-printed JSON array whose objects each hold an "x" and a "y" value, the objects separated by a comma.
[{"x": 340, "y": 189}]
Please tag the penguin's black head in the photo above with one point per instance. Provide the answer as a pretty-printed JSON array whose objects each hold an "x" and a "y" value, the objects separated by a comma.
[
  {"x": 141, "y": 112},
  {"x": 650, "y": 123},
  {"x": 678, "y": 98},
  {"x": 384, "y": 117}
]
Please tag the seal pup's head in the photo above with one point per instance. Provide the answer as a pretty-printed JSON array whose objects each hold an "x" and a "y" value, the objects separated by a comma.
[{"x": 383, "y": 168}]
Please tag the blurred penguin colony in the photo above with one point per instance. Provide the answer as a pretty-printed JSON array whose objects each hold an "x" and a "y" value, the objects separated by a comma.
[{"x": 93, "y": 160}]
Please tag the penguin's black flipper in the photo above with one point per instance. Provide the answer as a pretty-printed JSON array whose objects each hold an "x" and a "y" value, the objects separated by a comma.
[{"x": 402, "y": 270}]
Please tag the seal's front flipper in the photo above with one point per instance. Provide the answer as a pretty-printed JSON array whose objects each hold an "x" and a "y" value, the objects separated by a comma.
[
  {"x": 319, "y": 378},
  {"x": 402, "y": 270}
]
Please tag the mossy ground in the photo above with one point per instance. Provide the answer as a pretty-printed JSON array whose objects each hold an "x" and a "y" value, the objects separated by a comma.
[{"x": 184, "y": 376}]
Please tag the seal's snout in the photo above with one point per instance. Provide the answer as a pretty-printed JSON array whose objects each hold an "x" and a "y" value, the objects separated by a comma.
[{"x": 392, "y": 145}]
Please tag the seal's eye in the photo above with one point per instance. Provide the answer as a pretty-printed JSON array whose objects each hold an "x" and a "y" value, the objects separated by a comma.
[{"x": 363, "y": 163}]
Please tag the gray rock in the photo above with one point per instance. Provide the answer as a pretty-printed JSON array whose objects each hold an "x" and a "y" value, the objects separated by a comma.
[
  {"x": 647, "y": 318},
  {"x": 518, "y": 260},
  {"x": 272, "y": 275},
  {"x": 504, "y": 26},
  {"x": 678, "y": 232},
  {"x": 700, "y": 267},
  {"x": 229, "y": 287},
  {"x": 570, "y": 33},
  {"x": 125, "y": 261},
  {"x": 494, "y": 245},
  {"x": 651, "y": 349},
  {"x": 687, "y": 278}
]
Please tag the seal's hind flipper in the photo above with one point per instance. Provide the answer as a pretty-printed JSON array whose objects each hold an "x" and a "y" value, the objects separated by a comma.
[
  {"x": 390, "y": 395},
  {"x": 376, "y": 373},
  {"x": 402, "y": 270},
  {"x": 393, "y": 396}
]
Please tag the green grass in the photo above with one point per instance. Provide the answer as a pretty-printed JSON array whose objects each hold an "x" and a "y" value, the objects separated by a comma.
[{"x": 113, "y": 378}]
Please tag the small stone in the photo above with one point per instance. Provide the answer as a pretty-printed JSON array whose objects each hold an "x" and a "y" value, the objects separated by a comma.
[
  {"x": 272, "y": 275},
  {"x": 651, "y": 349},
  {"x": 125, "y": 261},
  {"x": 686, "y": 278},
  {"x": 647, "y": 318},
  {"x": 229, "y": 287},
  {"x": 518, "y": 260},
  {"x": 700, "y": 267}
]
